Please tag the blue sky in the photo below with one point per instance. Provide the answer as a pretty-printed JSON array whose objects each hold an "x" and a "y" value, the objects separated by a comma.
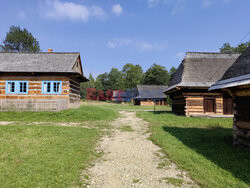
[{"x": 111, "y": 33}]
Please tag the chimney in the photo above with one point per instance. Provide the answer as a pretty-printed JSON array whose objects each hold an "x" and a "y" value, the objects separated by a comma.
[{"x": 50, "y": 50}]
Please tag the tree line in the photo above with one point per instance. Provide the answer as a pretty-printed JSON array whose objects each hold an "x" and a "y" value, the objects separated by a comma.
[{"x": 129, "y": 77}]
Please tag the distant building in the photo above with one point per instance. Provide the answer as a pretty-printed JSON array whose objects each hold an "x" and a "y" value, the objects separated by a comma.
[
  {"x": 189, "y": 86},
  {"x": 150, "y": 95},
  {"x": 236, "y": 81},
  {"x": 123, "y": 96},
  {"x": 40, "y": 81}
]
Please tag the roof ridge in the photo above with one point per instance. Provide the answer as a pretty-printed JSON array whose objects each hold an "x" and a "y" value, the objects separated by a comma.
[
  {"x": 40, "y": 52},
  {"x": 213, "y": 53}
]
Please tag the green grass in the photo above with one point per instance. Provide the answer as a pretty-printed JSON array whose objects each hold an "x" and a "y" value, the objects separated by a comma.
[
  {"x": 126, "y": 129},
  {"x": 44, "y": 156},
  {"x": 136, "y": 180},
  {"x": 83, "y": 113},
  {"x": 202, "y": 147},
  {"x": 127, "y": 106},
  {"x": 173, "y": 181},
  {"x": 50, "y": 156}
]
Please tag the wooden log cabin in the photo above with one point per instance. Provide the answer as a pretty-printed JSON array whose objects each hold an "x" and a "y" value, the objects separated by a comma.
[
  {"x": 236, "y": 82},
  {"x": 148, "y": 95},
  {"x": 40, "y": 81},
  {"x": 189, "y": 86}
]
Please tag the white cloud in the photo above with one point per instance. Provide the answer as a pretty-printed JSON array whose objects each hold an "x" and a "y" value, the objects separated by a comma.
[
  {"x": 116, "y": 43},
  {"x": 135, "y": 44},
  {"x": 207, "y": 3},
  {"x": 117, "y": 9},
  {"x": 59, "y": 10},
  {"x": 152, "y": 3},
  {"x": 177, "y": 5}
]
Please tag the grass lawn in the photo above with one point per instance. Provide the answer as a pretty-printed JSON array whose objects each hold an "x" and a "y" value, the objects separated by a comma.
[
  {"x": 47, "y": 155},
  {"x": 127, "y": 106},
  {"x": 44, "y": 156},
  {"x": 202, "y": 147},
  {"x": 83, "y": 113}
]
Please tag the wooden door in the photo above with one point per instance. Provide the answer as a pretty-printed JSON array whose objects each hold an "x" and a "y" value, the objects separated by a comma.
[
  {"x": 227, "y": 105},
  {"x": 209, "y": 104}
]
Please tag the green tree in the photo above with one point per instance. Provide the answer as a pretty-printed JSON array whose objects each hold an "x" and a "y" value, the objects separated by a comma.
[
  {"x": 102, "y": 82},
  {"x": 156, "y": 75},
  {"x": 85, "y": 85},
  {"x": 132, "y": 75},
  {"x": 115, "y": 79},
  {"x": 18, "y": 40},
  {"x": 227, "y": 48}
]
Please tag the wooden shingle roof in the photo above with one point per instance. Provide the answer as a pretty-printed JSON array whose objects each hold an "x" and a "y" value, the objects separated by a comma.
[
  {"x": 237, "y": 74},
  {"x": 150, "y": 92},
  {"x": 201, "y": 69},
  {"x": 37, "y": 62},
  {"x": 41, "y": 62}
]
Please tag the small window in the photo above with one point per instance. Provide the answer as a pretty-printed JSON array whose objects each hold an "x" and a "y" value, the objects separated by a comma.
[
  {"x": 19, "y": 87},
  {"x": 23, "y": 87},
  {"x": 11, "y": 87},
  {"x": 51, "y": 87}
]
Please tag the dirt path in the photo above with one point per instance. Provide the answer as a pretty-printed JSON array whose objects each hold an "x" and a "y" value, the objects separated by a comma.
[{"x": 131, "y": 160}]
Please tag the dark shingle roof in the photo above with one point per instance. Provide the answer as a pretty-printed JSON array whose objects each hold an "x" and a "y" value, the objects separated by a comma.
[
  {"x": 38, "y": 62},
  {"x": 150, "y": 92},
  {"x": 201, "y": 69},
  {"x": 237, "y": 74}
]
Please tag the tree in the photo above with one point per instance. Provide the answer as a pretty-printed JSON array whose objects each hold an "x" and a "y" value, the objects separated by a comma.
[
  {"x": 156, "y": 75},
  {"x": 115, "y": 79},
  {"x": 132, "y": 75},
  {"x": 172, "y": 71},
  {"x": 85, "y": 85},
  {"x": 102, "y": 82},
  {"x": 18, "y": 40},
  {"x": 227, "y": 48}
]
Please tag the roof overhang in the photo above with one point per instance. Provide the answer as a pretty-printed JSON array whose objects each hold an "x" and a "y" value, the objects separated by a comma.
[
  {"x": 73, "y": 74},
  {"x": 79, "y": 76},
  {"x": 195, "y": 85},
  {"x": 231, "y": 82}
]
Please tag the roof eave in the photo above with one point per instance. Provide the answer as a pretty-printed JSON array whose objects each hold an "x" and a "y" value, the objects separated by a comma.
[{"x": 231, "y": 82}]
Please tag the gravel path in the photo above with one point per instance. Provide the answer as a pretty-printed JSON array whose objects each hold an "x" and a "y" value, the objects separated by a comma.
[{"x": 131, "y": 160}]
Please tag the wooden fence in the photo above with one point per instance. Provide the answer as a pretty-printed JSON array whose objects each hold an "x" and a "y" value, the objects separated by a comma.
[{"x": 33, "y": 104}]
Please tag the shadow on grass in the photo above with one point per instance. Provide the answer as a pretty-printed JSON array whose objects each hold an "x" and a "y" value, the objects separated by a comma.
[{"x": 216, "y": 145}]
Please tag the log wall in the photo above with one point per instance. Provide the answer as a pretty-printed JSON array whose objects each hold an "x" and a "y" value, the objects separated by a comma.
[
  {"x": 74, "y": 91},
  {"x": 241, "y": 125},
  {"x": 151, "y": 103},
  {"x": 35, "y": 97},
  {"x": 179, "y": 105},
  {"x": 191, "y": 103},
  {"x": 195, "y": 105}
]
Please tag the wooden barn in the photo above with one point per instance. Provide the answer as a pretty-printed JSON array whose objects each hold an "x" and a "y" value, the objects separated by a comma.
[
  {"x": 236, "y": 82},
  {"x": 40, "y": 81},
  {"x": 150, "y": 95},
  {"x": 189, "y": 86}
]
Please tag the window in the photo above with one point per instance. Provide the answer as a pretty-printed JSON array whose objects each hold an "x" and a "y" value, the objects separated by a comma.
[
  {"x": 51, "y": 87},
  {"x": 18, "y": 87}
]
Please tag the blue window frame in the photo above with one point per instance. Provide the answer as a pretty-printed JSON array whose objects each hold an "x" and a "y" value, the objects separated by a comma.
[
  {"x": 51, "y": 87},
  {"x": 16, "y": 87}
]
